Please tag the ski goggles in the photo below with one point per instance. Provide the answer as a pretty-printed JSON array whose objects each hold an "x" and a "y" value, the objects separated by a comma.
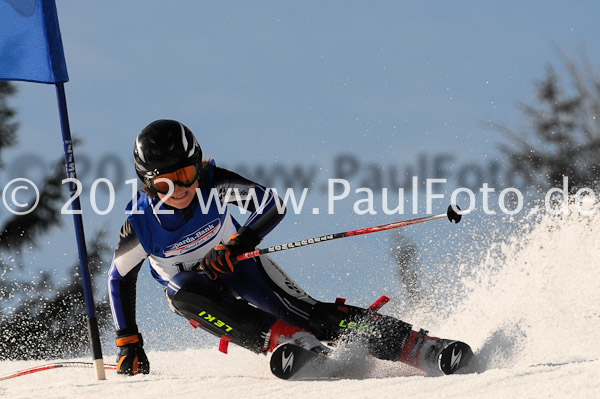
[{"x": 185, "y": 177}]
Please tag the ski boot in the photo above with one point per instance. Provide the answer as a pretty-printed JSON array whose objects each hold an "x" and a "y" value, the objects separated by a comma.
[{"x": 282, "y": 333}]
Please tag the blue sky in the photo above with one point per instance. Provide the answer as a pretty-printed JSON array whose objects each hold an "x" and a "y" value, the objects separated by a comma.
[
  {"x": 291, "y": 80},
  {"x": 273, "y": 83}
]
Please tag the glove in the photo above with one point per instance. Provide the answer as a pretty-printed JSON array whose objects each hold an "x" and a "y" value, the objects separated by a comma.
[
  {"x": 132, "y": 359},
  {"x": 222, "y": 258}
]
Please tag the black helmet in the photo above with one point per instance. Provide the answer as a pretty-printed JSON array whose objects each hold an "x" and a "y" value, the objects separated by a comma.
[{"x": 163, "y": 147}]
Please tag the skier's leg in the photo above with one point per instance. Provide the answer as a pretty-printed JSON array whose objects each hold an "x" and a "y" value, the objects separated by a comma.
[
  {"x": 206, "y": 304},
  {"x": 384, "y": 336},
  {"x": 388, "y": 338},
  {"x": 193, "y": 296},
  {"x": 268, "y": 287},
  {"x": 262, "y": 282},
  {"x": 265, "y": 284}
]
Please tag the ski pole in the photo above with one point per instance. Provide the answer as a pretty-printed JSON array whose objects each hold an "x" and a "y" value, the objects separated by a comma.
[
  {"x": 54, "y": 366},
  {"x": 451, "y": 214}
]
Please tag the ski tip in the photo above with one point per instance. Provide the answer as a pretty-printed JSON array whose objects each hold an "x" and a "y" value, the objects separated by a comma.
[
  {"x": 456, "y": 358},
  {"x": 453, "y": 213}
]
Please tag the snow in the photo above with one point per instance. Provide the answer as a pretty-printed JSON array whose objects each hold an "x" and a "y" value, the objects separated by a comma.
[
  {"x": 531, "y": 311},
  {"x": 241, "y": 374}
]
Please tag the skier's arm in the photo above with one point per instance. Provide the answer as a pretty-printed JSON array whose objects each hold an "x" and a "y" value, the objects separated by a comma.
[
  {"x": 261, "y": 220},
  {"x": 127, "y": 261},
  {"x": 267, "y": 211}
]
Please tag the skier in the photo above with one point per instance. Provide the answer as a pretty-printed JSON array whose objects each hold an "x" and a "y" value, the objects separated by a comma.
[{"x": 191, "y": 242}]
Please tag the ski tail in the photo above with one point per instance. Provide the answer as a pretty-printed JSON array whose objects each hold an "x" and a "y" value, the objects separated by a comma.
[
  {"x": 293, "y": 362},
  {"x": 288, "y": 360}
]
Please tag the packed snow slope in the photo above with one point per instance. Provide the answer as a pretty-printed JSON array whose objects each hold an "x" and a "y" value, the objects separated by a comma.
[{"x": 530, "y": 309}]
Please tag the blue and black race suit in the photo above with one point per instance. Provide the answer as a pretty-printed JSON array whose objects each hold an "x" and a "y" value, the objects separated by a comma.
[{"x": 175, "y": 241}]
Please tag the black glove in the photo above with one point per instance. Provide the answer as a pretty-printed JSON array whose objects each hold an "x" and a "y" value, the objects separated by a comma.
[
  {"x": 132, "y": 359},
  {"x": 222, "y": 258}
]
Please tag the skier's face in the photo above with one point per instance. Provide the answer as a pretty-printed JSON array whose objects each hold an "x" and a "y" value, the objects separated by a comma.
[{"x": 181, "y": 197}]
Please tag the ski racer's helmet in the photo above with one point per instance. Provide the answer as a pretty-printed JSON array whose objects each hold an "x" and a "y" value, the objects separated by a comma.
[{"x": 166, "y": 147}]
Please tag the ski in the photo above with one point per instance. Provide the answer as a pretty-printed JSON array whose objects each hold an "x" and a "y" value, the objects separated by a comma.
[{"x": 294, "y": 362}]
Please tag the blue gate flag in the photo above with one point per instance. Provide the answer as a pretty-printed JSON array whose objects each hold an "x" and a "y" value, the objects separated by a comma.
[{"x": 30, "y": 42}]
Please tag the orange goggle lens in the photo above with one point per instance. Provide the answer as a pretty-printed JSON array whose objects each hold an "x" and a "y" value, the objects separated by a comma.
[{"x": 184, "y": 177}]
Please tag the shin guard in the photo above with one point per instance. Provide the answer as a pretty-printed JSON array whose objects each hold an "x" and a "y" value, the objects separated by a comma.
[
  {"x": 242, "y": 323},
  {"x": 384, "y": 336}
]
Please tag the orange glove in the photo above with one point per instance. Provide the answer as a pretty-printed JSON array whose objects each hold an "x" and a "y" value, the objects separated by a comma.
[
  {"x": 222, "y": 258},
  {"x": 132, "y": 359}
]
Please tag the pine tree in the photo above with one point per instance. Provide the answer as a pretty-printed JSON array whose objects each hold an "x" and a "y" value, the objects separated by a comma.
[
  {"x": 41, "y": 318},
  {"x": 563, "y": 135}
]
